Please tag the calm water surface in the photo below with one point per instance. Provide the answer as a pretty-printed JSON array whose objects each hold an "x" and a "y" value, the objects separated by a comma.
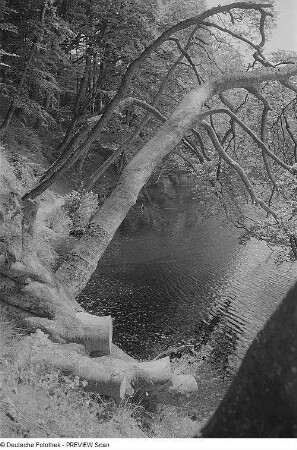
[{"x": 187, "y": 280}]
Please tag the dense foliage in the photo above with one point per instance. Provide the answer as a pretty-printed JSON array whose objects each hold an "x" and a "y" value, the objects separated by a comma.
[
  {"x": 60, "y": 59},
  {"x": 64, "y": 64}
]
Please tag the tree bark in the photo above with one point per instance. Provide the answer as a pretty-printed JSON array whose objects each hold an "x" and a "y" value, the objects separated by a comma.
[{"x": 262, "y": 400}]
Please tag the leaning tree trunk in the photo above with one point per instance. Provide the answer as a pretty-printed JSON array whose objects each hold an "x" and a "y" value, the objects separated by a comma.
[{"x": 79, "y": 265}]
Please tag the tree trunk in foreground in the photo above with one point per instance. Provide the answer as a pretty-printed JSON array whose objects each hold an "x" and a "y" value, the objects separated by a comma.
[
  {"x": 113, "y": 377},
  {"x": 262, "y": 400},
  {"x": 79, "y": 265}
]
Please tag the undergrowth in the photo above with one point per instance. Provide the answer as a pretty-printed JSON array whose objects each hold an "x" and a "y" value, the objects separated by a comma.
[{"x": 37, "y": 401}]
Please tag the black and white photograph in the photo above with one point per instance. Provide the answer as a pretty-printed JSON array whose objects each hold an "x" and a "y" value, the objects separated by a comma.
[{"x": 148, "y": 224}]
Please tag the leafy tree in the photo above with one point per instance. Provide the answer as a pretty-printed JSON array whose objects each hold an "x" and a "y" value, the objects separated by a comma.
[
  {"x": 227, "y": 114},
  {"x": 224, "y": 123},
  {"x": 93, "y": 44}
]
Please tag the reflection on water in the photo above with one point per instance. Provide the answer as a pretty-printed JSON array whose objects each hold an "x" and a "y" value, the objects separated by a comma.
[{"x": 186, "y": 279}]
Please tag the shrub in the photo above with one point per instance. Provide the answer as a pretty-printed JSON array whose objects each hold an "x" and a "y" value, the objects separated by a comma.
[
  {"x": 80, "y": 207},
  {"x": 51, "y": 229}
]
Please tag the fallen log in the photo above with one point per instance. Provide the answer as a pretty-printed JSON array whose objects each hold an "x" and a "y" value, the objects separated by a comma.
[
  {"x": 22, "y": 317},
  {"x": 38, "y": 349},
  {"x": 117, "y": 375},
  {"x": 31, "y": 289},
  {"x": 183, "y": 388},
  {"x": 108, "y": 376},
  {"x": 98, "y": 331},
  {"x": 155, "y": 377},
  {"x": 148, "y": 375}
]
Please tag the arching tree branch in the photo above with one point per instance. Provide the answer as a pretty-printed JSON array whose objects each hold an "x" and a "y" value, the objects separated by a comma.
[
  {"x": 266, "y": 109},
  {"x": 258, "y": 141},
  {"x": 73, "y": 152},
  {"x": 291, "y": 134},
  {"x": 189, "y": 59},
  {"x": 238, "y": 169}
]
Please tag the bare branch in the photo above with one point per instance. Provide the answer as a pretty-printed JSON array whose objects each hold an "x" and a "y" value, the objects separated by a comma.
[
  {"x": 262, "y": 25},
  {"x": 289, "y": 85},
  {"x": 193, "y": 149},
  {"x": 226, "y": 102},
  {"x": 286, "y": 83},
  {"x": 160, "y": 91},
  {"x": 266, "y": 109},
  {"x": 237, "y": 36},
  {"x": 238, "y": 168},
  {"x": 242, "y": 103},
  {"x": 253, "y": 90},
  {"x": 188, "y": 58},
  {"x": 231, "y": 18},
  {"x": 201, "y": 41},
  {"x": 229, "y": 105},
  {"x": 288, "y": 128},
  {"x": 264, "y": 140},
  {"x": 258, "y": 141},
  {"x": 291, "y": 102},
  {"x": 248, "y": 79},
  {"x": 201, "y": 143}
]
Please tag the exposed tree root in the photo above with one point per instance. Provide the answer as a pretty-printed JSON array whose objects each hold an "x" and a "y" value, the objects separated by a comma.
[{"x": 73, "y": 341}]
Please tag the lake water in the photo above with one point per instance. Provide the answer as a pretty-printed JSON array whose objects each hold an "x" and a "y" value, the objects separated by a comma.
[{"x": 186, "y": 279}]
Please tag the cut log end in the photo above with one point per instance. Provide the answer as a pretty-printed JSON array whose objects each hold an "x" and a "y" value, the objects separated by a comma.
[
  {"x": 98, "y": 333},
  {"x": 183, "y": 388}
]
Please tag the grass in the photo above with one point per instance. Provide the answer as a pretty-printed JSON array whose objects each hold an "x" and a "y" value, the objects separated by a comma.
[{"x": 37, "y": 401}]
